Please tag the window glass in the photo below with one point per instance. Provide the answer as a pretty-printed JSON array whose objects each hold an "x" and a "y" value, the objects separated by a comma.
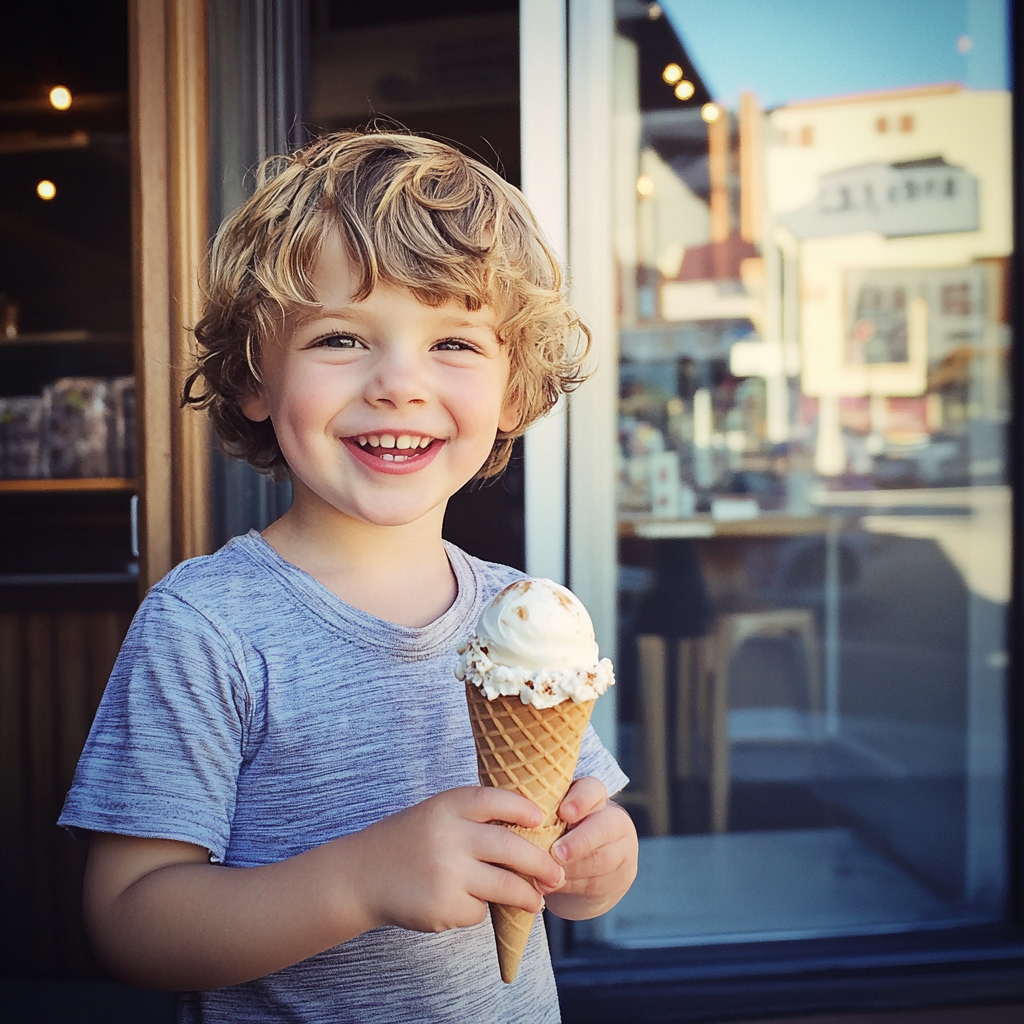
[{"x": 812, "y": 232}]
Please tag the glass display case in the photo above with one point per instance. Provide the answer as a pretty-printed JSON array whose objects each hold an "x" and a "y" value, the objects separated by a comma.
[{"x": 813, "y": 514}]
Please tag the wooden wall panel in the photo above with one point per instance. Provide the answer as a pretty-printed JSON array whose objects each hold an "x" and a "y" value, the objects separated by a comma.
[
  {"x": 71, "y": 720},
  {"x": 53, "y": 666},
  {"x": 40, "y": 750},
  {"x": 15, "y": 863}
]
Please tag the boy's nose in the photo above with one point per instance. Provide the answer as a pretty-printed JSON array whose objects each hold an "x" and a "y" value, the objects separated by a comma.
[{"x": 399, "y": 379}]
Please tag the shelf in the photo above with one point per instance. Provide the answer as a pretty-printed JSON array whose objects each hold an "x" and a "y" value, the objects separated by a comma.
[
  {"x": 83, "y": 101},
  {"x": 64, "y": 338},
  {"x": 125, "y": 485},
  {"x": 955, "y": 499},
  {"x": 33, "y": 142},
  {"x": 703, "y": 526}
]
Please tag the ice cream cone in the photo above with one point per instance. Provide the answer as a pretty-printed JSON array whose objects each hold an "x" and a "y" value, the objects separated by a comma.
[
  {"x": 532, "y": 672},
  {"x": 532, "y": 751}
]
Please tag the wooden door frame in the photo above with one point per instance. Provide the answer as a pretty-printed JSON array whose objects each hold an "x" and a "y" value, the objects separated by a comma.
[{"x": 169, "y": 126}]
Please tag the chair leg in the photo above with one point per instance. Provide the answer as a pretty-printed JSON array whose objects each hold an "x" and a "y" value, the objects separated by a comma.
[
  {"x": 687, "y": 679},
  {"x": 719, "y": 774},
  {"x": 653, "y": 732},
  {"x": 814, "y": 694}
]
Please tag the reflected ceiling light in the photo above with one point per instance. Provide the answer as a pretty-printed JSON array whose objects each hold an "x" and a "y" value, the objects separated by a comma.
[
  {"x": 654, "y": 11},
  {"x": 60, "y": 97},
  {"x": 644, "y": 185},
  {"x": 964, "y": 44},
  {"x": 684, "y": 90},
  {"x": 709, "y": 112},
  {"x": 46, "y": 189},
  {"x": 672, "y": 73}
]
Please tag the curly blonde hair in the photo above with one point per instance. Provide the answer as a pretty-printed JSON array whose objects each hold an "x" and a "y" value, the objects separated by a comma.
[{"x": 414, "y": 213}]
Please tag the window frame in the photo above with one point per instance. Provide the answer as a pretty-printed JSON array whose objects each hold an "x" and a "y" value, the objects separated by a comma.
[{"x": 598, "y": 984}]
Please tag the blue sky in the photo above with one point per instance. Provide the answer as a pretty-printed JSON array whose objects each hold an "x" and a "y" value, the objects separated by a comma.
[{"x": 802, "y": 49}]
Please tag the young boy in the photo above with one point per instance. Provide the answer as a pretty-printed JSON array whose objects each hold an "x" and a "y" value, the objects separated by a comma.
[{"x": 280, "y": 786}]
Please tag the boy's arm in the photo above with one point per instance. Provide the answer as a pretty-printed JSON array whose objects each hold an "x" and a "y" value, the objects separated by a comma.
[
  {"x": 598, "y": 852},
  {"x": 160, "y": 915}
]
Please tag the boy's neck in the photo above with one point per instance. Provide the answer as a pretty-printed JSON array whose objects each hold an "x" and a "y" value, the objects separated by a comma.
[{"x": 397, "y": 573}]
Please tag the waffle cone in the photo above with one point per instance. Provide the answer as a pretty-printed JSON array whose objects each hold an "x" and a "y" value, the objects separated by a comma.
[{"x": 531, "y": 751}]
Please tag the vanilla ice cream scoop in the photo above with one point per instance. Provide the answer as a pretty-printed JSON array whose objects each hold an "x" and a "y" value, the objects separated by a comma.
[{"x": 535, "y": 640}]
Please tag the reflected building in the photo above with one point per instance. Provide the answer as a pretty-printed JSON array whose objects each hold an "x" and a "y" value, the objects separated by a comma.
[
  {"x": 892, "y": 213},
  {"x": 813, "y": 517}
]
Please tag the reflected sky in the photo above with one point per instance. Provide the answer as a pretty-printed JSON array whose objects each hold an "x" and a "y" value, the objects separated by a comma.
[{"x": 802, "y": 49}]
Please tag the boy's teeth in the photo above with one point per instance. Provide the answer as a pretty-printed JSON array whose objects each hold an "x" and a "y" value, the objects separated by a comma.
[{"x": 401, "y": 441}]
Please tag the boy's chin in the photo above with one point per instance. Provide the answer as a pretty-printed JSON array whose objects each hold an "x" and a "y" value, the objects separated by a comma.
[{"x": 395, "y": 516}]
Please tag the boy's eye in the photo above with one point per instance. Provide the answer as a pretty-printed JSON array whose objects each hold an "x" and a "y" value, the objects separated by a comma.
[
  {"x": 336, "y": 341},
  {"x": 453, "y": 345}
]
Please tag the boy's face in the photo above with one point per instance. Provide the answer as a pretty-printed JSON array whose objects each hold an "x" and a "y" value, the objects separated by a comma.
[{"x": 383, "y": 408}]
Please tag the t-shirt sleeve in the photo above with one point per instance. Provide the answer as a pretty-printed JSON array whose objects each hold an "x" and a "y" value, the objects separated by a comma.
[
  {"x": 164, "y": 751},
  {"x": 597, "y": 761}
]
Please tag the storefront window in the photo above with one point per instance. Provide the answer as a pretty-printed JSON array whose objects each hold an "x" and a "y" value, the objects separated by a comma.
[{"x": 812, "y": 227}]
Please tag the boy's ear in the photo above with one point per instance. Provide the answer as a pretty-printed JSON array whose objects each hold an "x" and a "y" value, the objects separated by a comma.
[
  {"x": 509, "y": 418},
  {"x": 254, "y": 407}
]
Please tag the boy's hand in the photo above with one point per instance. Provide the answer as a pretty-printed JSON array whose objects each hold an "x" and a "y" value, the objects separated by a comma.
[
  {"x": 598, "y": 853},
  {"x": 436, "y": 865}
]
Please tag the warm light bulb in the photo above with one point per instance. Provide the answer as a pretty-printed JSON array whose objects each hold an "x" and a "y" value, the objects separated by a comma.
[
  {"x": 684, "y": 90},
  {"x": 60, "y": 97},
  {"x": 709, "y": 112},
  {"x": 654, "y": 11},
  {"x": 672, "y": 73},
  {"x": 46, "y": 189},
  {"x": 644, "y": 185}
]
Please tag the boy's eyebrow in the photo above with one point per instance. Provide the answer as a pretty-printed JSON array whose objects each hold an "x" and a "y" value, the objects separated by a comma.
[
  {"x": 456, "y": 321},
  {"x": 324, "y": 314}
]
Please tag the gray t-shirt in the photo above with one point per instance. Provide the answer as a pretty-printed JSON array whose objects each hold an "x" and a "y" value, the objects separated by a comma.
[{"x": 253, "y": 713}]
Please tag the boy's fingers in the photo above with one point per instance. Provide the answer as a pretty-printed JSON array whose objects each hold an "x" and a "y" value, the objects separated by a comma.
[
  {"x": 496, "y": 885},
  {"x": 585, "y": 796},
  {"x": 501, "y": 846},
  {"x": 604, "y": 862},
  {"x": 602, "y": 827},
  {"x": 481, "y": 803}
]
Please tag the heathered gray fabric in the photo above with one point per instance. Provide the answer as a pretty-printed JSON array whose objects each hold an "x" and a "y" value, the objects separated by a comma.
[{"x": 253, "y": 713}]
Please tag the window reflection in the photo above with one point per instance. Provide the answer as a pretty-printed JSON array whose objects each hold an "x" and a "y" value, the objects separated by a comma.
[{"x": 813, "y": 514}]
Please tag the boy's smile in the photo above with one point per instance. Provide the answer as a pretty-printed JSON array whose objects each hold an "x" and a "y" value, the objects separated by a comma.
[
  {"x": 383, "y": 408},
  {"x": 403, "y": 453}
]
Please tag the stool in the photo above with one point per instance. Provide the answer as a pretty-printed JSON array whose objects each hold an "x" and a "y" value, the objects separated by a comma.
[
  {"x": 734, "y": 630},
  {"x": 653, "y": 793},
  {"x": 651, "y": 746},
  {"x": 700, "y": 727}
]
